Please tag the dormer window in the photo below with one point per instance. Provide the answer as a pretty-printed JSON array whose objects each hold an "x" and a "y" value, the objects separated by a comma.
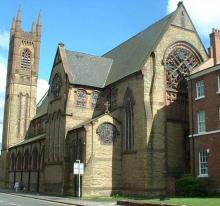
[{"x": 26, "y": 59}]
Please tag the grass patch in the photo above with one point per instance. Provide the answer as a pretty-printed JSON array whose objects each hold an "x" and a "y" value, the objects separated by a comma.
[{"x": 192, "y": 201}]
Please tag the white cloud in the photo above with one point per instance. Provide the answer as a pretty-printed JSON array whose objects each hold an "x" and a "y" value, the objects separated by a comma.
[
  {"x": 42, "y": 87},
  {"x": 204, "y": 14},
  {"x": 4, "y": 39}
]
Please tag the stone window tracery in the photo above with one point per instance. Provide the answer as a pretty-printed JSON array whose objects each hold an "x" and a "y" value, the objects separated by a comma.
[
  {"x": 178, "y": 63},
  {"x": 56, "y": 85},
  {"x": 26, "y": 59},
  {"x": 81, "y": 98},
  {"x": 107, "y": 133}
]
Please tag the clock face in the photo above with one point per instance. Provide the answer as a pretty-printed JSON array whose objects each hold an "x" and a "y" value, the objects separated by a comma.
[{"x": 56, "y": 85}]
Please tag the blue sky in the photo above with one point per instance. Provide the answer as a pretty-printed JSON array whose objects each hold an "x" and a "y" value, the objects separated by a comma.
[
  {"x": 92, "y": 26},
  {"x": 88, "y": 26}
]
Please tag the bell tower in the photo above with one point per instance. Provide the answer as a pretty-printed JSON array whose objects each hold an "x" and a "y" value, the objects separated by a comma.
[{"x": 22, "y": 76}]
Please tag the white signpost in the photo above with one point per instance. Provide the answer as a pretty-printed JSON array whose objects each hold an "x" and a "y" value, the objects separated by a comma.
[{"x": 78, "y": 169}]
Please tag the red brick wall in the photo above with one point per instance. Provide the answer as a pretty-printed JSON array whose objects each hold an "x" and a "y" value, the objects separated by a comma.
[
  {"x": 210, "y": 104},
  {"x": 211, "y": 142}
]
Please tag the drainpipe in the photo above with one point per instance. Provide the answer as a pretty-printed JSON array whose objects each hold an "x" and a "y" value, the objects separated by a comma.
[{"x": 192, "y": 128}]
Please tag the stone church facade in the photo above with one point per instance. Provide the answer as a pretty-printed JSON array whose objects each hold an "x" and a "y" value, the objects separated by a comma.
[{"x": 123, "y": 114}]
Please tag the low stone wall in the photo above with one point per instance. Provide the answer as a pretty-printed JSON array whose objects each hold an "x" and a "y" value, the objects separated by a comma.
[{"x": 129, "y": 203}]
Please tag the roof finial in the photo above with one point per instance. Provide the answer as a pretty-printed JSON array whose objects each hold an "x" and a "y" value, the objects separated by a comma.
[
  {"x": 179, "y": 3},
  {"x": 19, "y": 14},
  {"x": 39, "y": 21},
  {"x": 33, "y": 28},
  {"x": 13, "y": 23},
  {"x": 39, "y": 24}
]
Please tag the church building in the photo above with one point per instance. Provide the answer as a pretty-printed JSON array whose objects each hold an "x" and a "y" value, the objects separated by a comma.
[{"x": 123, "y": 114}]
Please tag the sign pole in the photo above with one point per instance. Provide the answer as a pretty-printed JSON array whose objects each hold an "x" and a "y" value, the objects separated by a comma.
[
  {"x": 78, "y": 169},
  {"x": 79, "y": 177}
]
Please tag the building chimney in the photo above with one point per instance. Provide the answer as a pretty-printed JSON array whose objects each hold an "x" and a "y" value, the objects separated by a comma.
[{"x": 215, "y": 45}]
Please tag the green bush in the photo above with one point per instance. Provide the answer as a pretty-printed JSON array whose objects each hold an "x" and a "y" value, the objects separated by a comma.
[{"x": 190, "y": 186}]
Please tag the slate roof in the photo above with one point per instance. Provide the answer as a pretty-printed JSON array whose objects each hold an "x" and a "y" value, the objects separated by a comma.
[
  {"x": 118, "y": 63},
  {"x": 132, "y": 54},
  {"x": 88, "y": 70},
  {"x": 42, "y": 106},
  {"x": 26, "y": 141}
]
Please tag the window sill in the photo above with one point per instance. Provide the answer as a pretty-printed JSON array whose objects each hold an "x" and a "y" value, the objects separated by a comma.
[
  {"x": 202, "y": 97},
  {"x": 129, "y": 152},
  {"x": 201, "y": 176},
  {"x": 218, "y": 92}
]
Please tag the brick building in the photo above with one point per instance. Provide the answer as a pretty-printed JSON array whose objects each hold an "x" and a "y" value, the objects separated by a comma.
[{"x": 204, "y": 113}]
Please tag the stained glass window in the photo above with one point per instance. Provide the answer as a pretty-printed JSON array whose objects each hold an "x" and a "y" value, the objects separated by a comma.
[
  {"x": 26, "y": 59},
  {"x": 179, "y": 62},
  {"x": 56, "y": 85},
  {"x": 107, "y": 133},
  {"x": 95, "y": 100},
  {"x": 81, "y": 98}
]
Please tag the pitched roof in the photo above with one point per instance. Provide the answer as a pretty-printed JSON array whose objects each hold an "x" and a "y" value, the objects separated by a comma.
[
  {"x": 131, "y": 55},
  {"x": 118, "y": 63},
  {"x": 42, "y": 106},
  {"x": 88, "y": 70},
  {"x": 33, "y": 139}
]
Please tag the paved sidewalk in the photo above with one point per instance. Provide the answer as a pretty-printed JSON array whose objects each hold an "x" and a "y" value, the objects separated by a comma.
[{"x": 59, "y": 199}]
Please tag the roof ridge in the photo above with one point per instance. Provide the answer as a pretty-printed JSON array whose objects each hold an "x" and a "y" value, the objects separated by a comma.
[
  {"x": 90, "y": 55},
  {"x": 160, "y": 20}
]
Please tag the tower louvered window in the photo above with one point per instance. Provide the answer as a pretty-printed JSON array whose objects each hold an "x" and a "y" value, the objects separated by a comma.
[{"x": 26, "y": 59}]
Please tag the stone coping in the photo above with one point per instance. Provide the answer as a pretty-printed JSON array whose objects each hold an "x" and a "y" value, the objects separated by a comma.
[{"x": 130, "y": 203}]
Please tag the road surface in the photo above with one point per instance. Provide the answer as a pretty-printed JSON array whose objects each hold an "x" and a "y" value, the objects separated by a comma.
[{"x": 7, "y": 199}]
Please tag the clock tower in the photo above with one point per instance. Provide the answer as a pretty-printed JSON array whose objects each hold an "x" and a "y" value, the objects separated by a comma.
[{"x": 22, "y": 76}]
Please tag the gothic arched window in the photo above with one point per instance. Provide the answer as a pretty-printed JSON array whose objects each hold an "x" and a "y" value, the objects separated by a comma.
[
  {"x": 96, "y": 99},
  {"x": 26, "y": 59},
  {"x": 26, "y": 160},
  {"x": 129, "y": 122},
  {"x": 35, "y": 159},
  {"x": 56, "y": 85},
  {"x": 12, "y": 162},
  {"x": 181, "y": 59},
  {"x": 19, "y": 162},
  {"x": 81, "y": 98}
]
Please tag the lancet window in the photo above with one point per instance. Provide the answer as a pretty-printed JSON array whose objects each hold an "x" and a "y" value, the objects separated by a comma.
[
  {"x": 81, "y": 98},
  {"x": 129, "y": 122}
]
